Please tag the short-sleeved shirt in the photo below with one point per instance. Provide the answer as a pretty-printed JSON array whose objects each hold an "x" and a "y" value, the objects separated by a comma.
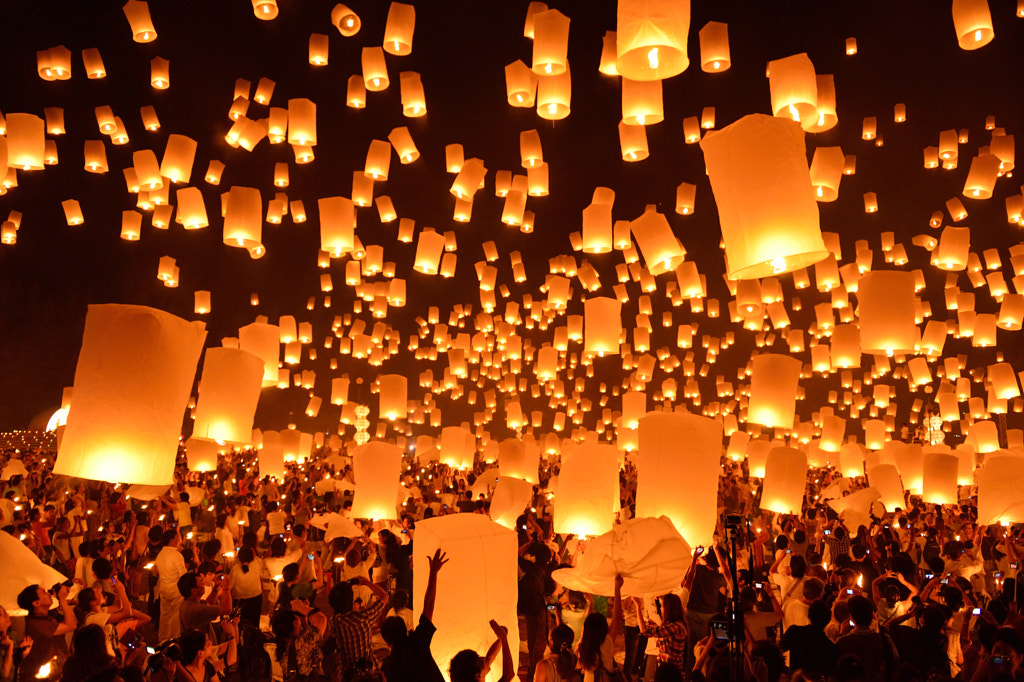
[
  {"x": 45, "y": 645},
  {"x": 672, "y": 642},
  {"x": 352, "y": 632},
  {"x": 197, "y": 615},
  {"x": 411, "y": 659}
]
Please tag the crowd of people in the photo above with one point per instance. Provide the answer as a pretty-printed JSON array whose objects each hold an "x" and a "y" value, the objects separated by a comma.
[{"x": 229, "y": 575}]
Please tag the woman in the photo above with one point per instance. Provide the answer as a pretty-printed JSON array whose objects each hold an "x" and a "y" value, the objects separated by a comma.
[
  {"x": 7, "y": 646},
  {"x": 247, "y": 586},
  {"x": 597, "y": 644},
  {"x": 560, "y": 664},
  {"x": 198, "y": 655},
  {"x": 671, "y": 634},
  {"x": 89, "y": 655},
  {"x": 469, "y": 666},
  {"x": 91, "y": 611}
]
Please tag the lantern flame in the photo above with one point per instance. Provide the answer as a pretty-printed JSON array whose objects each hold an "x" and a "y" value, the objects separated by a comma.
[
  {"x": 794, "y": 113},
  {"x": 779, "y": 264},
  {"x": 652, "y": 56},
  {"x": 44, "y": 670}
]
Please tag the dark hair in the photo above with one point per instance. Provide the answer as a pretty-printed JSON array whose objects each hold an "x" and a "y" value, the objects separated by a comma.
[
  {"x": 278, "y": 546},
  {"x": 245, "y": 557},
  {"x": 672, "y": 607},
  {"x": 89, "y": 647},
  {"x": 399, "y": 598},
  {"x": 282, "y": 624},
  {"x": 28, "y": 597},
  {"x": 168, "y": 536},
  {"x": 187, "y": 584},
  {"x": 102, "y": 568},
  {"x": 465, "y": 666},
  {"x": 340, "y": 598},
  {"x": 393, "y": 630},
  {"x": 290, "y": 572},
  {"x": 561, "y": 644},
  {"x": 819, "y": 614},
  {"x": 798, "y": 566},
  {"x": 861, "y": 610},
  {"x": 191, "y": 643},
  {"x": 595, "y": 629}
]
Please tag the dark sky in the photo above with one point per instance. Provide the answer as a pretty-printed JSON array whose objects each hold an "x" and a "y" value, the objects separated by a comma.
[{"x": 907, "y": 54}]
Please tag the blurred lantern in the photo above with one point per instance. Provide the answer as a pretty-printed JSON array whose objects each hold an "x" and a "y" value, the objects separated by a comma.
[
  {"x": 686, "y": 194},
  {"x": 550, "y": 43},
  {"x": 659, "y": 464},
  {"x": 785, "y": 478},
  {"x": 457, "y": 446},
  {"x": 602, "y": 325},
  {"x": 228, "y": 392},
  {"x": 345, "y": 20},
  {"x": 202, "y": 304},
  {"x": 886, "y": 304},
  {"x": 399, "y": 29},
  {"x": 607, "y": 65},
  {"x": 131, "y": 225},
  {"x": 714, "y": 47},
  {"x": 375, "y": 69},
  {"x": 337, "y": 225},
  {"x": 517, "y": 458},
  {"x": 773, "y": 390},
  {"x": 633, "y": 142},
  {"x": 414, "y": 104},
  {"x": 827, "y": 117},
  {"x": 909, "y": 458},
  {"x": 794, "y": 89},
  {"x": 201, "y": 454},
  {"x": 93, "y": 63},
  {"x": 833, "y": 429},
  {"x": 394, "y": 396},
  {"x": 972, "y": 22},
  {"x": 651, "y": 38},
  {"x": 520, "y": 85},
  {"x": 378, "y": 160},
  {"x": 137, "y": 13},
  {"x": 428, "y": 251},
  {"x": 26, "y": 141},
  {"x": 981, "y": 179},
  {"x": 356, "y": 93},
  {"x": 758, "y": 171},
  {"x": 376, "y": 467},
  {"x": 885, "y": 478},
  {"x": 132, "y": 384},
  {"x": 1004, "y": 380},
  {"x": 243, "y": 220},
  {"x": 985, "y": 435},
  {"x": 95, "y": 156},
  {"x": 72, "y": 212},
  {"x": 588, "y": 491}
]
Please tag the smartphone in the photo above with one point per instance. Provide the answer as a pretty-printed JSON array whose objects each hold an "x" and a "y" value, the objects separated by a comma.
[
  {"x": 113, "y": 580},
  {"x": 551, "y": 607},
  {"x": 789, "y": 551},
  {"x": 310, "y": 556},
  {"x": 929, "y": 576},
  {"x": 700, "y": 549},
  {"x": 720, "y": 631},
  {"x": 828, "y": 532},
  {"x": 1014, "y": 565},
  {"x": 850, "y": 622},
  {"x": 353, "y": 581},
  {"x": 976, "y": 611},
  {"x": 999, "y": 574},
  {"x": 849, "y": 591},
  {"x": 150, "y": 650},
  {"x": 997, "y": 660},
  {"x": 759, "y": 585}
]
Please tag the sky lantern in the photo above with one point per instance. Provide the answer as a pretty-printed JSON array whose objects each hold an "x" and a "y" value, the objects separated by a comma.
[
  {"x": 686, "y": 195},
  {"x": 132, "y": 384},
  {"x": 72, "y": 212},
  {"x": 1000, "y": 493},
  {"x": 773, "y": 390},
  {"x": 633, "y": 142},
  {"x": 972, "y": 22},
  {"x": 337, "y": 224},
  {"x": 794, "y": 89},
  {"x": 429, "y": 247},
  {"x": 1004, "y": 380},
  {"x": 93, "y": 63},
  {"x": 229, "y": 389},
  {"x": 588, "y": 491},
  {"x": 319, "y": 49},
  {"x": 660, "y": 467},
  {"x": 457, "y": 446},
  {"x": 201, "y": 302},
  {"x": 270, "y": 457},
  {"x": 554, "y": 96},
  {"x": 602, "y": 325},
  {"x": 160, "y": 73},
  {"x": 95, "y": 156},
  {"x": 376, "y": 466},
  {"x": 243, "y": 220},
  {"x": 301, "y": 122},
  {"x": 954, "y": 246},
  {"x": 137, "y": 13},
  {"x": 833, "y": 429},
  {"x": 399, "y": 28},
  {"x": 885, "y": 478},
  {"x": 520, "y": 85},
  {"x": 940, "y": 478},
  {"x": 785, "y": 479},
  {"x": 981, "y": 178},
  {"x": 607, "y": 65},
  {"x": 766, "y": 205},
  {"x": 201, "y": 454},
  {"x": 131, "y": 225},
  {"x": 375, "y": 69},
  {"x": 26, "y": 141},
  {"x": 179, "y": 155},
  {"x": 482, "y": 561},
  {"x": 378, "y": 160},
  {"x": 394, "y": 396},
  {"x": 414, "y": 103},
  {"x": 714, "y": 47},
  {"x": 826, "y": 173},
  {"x": 909, "y": 458},
  {"x": 656, "y": 241},
  {"x": 550, "y": 43},
  {"x": 345, "y": 20},
  {"x": 886, "y": 304},
  {"x": 651, "y": 37},
  {"x": 642, "y": 102},
  {"x": 827, "y": 117},
  {"x": 263, "y": 340}
]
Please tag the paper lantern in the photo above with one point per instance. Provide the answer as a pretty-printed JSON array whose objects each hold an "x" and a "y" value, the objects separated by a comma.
[
  {"x": 179, "y": 156},
  {"x": 160, "y": 73},
  {"x": 833, "y": 429},
  {"x": 132, "y": 384},
  {"x": 201, "y": 454},
  {"x": 510, "y": 499},
  {"x": 399, "y": 28},
  {"x": 714, "y": 47},
  {"x": 826, "y": 172},
  {"x": 773, "y": 389},
  {"x": 651, "y": 38},
  {"x": 202, "y": 305},
  {"x": 72, "y": 212},
  {"x": 909, "y": 458},
  {"x": 1004, "y": 380},
  {"x": 270, "y": 457},
  {"x": 981, "y": 178},
  {"x": 517, "y": 458},
  {"x": 985, "y": 435},
  {"x": 886, "y": 307},
  {"x": 345, "y": 20},
  {"x": 660, "y": 467},
  {"x": 785, "y": 479},
  {"x": 794, "y": 89},
  {"x": 457, "y": 447},
  {"x": 602, "y": 325},
  {"x": 263, "y": 341},
  {"x": 337, "y": 223},
  {"x": 827, "y": 117},
  {"x": 356, "y": 92},
  {"x": 554, "y": 96},
  {"x": 642, "y": 102},
  {"x": 131, "y": 225},
  {"x": 550, "y": 43},
  {"x": 972, "y": 22},
  {"x": 588, "y": 491},
  {"x": 228, "y": 392},
  {"x": 428, "y": 251},
  {"x": 885, "y": 478},
  {"x": 607, "y": 64},
  {"x": 375, "y": 69},
  {"x": 243, "y": 220},
  {"x": 302, "y": 122},
  {"x": 954, "y": 246},
  {"x": 482, "y": 561},
  {"x": 659, "y": 246},
  {"x": 95, "y": 156},
  {"x": 940, "y": 478},
  {"x": 319, "y": 49},
  {"x": 520, "y": 85},
  {"x": 93, "y": 63},
  {"x": 264, "y": 9},
  {"x": 26, "y": 141},
  {"x": 137, "y": 13},
  {"x": 394, "y": 396},
  {"x": 378, "y": 160},
  {"x": 377, "y": 467},
  {"x": 633, "y": 142},
  {"x": 759, "y": 175}
]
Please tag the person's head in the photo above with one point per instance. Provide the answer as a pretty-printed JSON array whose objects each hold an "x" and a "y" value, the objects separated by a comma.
[
  {"x": 278, "y": 546},
  {"x": 818, "y": 613},
  {"x": 89, "y": 647},
  {"x": 666, "y": 672},
  {"x": 839, "y": 533},
  {"x": 1009, "y": 645},
  {"x": 189, "y": 586},
  {"x": 340, "y": 598},
  {"x": 393, "y": 630},
  {"x": 35, "y": 600},
  {"x": 595, "y": 629},
  {"x": 799, "y": 536},
  {"x": 170, "y": 538},
  {"x": 858, "y": 551},
  {"x": 771, "y": 655},
  {"x": 195, "y": 647},
  {"x": 183, "y": 497},
  {"x": 812, "y": 589},
  {"x": 672, "y": 608},
  {"x": 102, "y": 568},
  {"x": 290, "y": 574},
  {"x": 399, "y": 599},
  {"x": 798, "y": 566},
  {"x": 222, "y": 520},
  {"x": 467, "y": 666},
  {"x": 90, "y": 600},
  {"x": 849, "y": 668},
  {"x": 861, "y": 610},
  {"x": 710, "y": 557}
]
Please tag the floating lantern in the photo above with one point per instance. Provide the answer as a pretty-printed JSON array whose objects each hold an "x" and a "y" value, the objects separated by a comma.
[
  {"x": 602, "y": 325},
  {"x": 201, "y": 454},
  {"x": 26, "y": 141},
  {"x": 794, "y": 89},
  {"x": 302, "y": 122},
  {"x": 160, "y": 73},
  {"x": 520, "y": 85},
  {"x": 953, "y": 249},
  {"x": 319, "y": 49},
  {"x": 179, "y": 155},
  {"x": 345, "y": 20},
  {"x": 137, "y": 13},
  {"x": 414, "y": 104},
  {"x": 773, "y": 389},
  {"x": 885, "y": 478},
  {"x": 651, "y": 38},
  {"x": 550, "y": 43},
  {"x": 93, "y": 63},
  {"x": 394, "y": 398},
  {"x": 826, "y": 172},
  {"x": 886, "y": 305},
  {"x": 375, "y": 69},
  {"x": 714, "y": 47},
  {"x": 785, "y": 479},
  {"x": 972, "y": 22},
  {"x": 554, "y": 96},
  {"x": 131, "y": 225},
  {"x": 377, "y": 467},
  {"x": 659, "y": 246},
  {"x": 633, "y": 142},
  {"x": 72, "y": 212},
  {"x": 337, "y": 225},
  {"x": 642, "y": 102},
  {"x": 588, "y": 491},
  {"x": 399, "y": 28},
  {"x": 228, "y": 392},
  {"x": 243, "y": 220}
]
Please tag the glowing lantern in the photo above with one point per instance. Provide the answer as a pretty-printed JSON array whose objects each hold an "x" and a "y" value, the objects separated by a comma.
[
  {"x": 337, "y": 223},
  {"x": 201, "y": 454},
  {"x": 686, "y": 194},
  {"x": 651, "y": 38},
  {"x": 137, "y": 13},
  {"x": 826, "y": 172},
  {"x": 264, "y": 9},
  {"x": 874, "y": 433},
  {"x": 520, "y": 85},
  {"x": 428, "y": 251},
  {"x": 319, "y": 49},
  {"x": 202, "y": 303},
  {"x": 940, "y": 478},
  {"x": 602, "y": 325},
  {"x": 356, "y": 92},
  {"x": 132, "y": 384},
  {"x": 93, "y": 63},
  {"x": 377, "y": 467},
  {"x": 554, "y": 96},
  {"x": 271, "y": 456},
  {"x": 378, "y": 160},
  {"x": 394, "y": 394},
  {"x": 773, "y": 389},
  {"x": 885, "y": 478},
  {"x": 457, "y": 447},
  {"x": 794, "y": 89},
  {"x": 633, "y": 142},
  {"x": 511, "y": 496},
  {"x": 659, "y": 464},
  {"x": 833, "y": 429},
  {"x": 131, "y": 225},
  {"x": 662, "y": 251},
  {"x": 588, "y": 491},
  {"x": 414, "y": 103},
  {"x": 375, "y": 70},
  {"x": 243, "y": 220},
  {"x": 482, "y": 561},
  {"x": 301, "y": 122},
  {"x": 972, "y": 22},
  {"x": 981, "y": 179},
  {"x": 179, "y": 156},
  {"x": 345, "y": 20},
  {"x": 95, "y": 156},
  {"x": 985, "y": 435},
  {"x": 517, "y": 458},
  {"x": 785, "y": 478},
  {"x": 910, "y": 461},
  {"x": 228, "y": 392},
  {"x": 72, "y": 212},
  {"x": 642, "y": 102},
  {"x": 550, "y": 43},
  {"x": 160, "y": 73},
  {"x": 827, "y": 117},
  {"x": 714, "y": 47},
  {"x": 1004, "y": 380},
  {"x": 26, "y": 141},
  {"x": 1000, "y": 494},
  {"x": 758, "y": 171},
  {"x": 954, "y": 246},
  {"x": 886, "y": 304},
  {"x": 399, "y": 28}
]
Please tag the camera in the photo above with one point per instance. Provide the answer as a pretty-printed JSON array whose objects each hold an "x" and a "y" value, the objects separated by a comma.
[
  {"x": 827, "y": 532},
  {"x": 720, "y": 630}
]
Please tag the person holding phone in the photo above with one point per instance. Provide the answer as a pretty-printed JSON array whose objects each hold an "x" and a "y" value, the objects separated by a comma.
[{"x": 46, "y": 631}]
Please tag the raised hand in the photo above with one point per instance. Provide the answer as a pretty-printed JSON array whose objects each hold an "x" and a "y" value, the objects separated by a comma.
[{"x": 437, "y": 561}]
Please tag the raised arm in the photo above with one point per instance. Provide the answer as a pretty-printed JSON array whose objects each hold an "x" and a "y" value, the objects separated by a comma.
[{"x": 435, "y": 563}]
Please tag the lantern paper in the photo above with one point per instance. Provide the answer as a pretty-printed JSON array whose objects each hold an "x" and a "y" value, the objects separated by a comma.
[
  {"x": 650, "y": 39},
  {"x": 517, "y": 460},
  {"x": 457, "y": 446},
  {"x": 21, "y": 568},
  {"x": 910, "y": 461},
  {"x": 228, "y": 392},
  {"x": 510, "y": 499},
  {"x": 785, "y": 478},
  {"x": 477, "y": 584},
  {"x": 588, "y": 491},
  {"x": 201, "y": 454},
  {"x": 377, "y": 467},
  {"x": 773, "y": 388},
  {"x": 939, "y": 479},
  {"x": 649, "y": 553},
  {"x": 132, "y": 385},
  {"x": 675, "y": 447},
  {"x": 263, "y": 341},
  {"x": 1000, "y": 493},
  {"x": 886, "y": 307},
  {"x": 885, "y": 478}
]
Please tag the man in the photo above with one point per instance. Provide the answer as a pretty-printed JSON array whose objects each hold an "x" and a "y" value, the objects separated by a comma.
[
  {"x": 796, "y": 611},
  {"x": 47, "y": 633},
  {"x": 810, "y": 650},
  {"x": 410, "y": 656},
  {"x": 534, "y": 562},
  {"x": 351, "y": 628},
  {"x": 875, "y": 650},
  {"x": 195, "y": 614},
  {"x": 169, "y": 566}
]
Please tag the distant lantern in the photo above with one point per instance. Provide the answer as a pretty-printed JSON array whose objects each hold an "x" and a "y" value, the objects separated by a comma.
[
  {"x": 885, "y": 478},
  {"x": 554, "y": 96},
  {"x": 375, "y": 69},
  {"x": 72, "y": 212},
  {"x": 656, "y": 241},
  {"x": 633, "y": 142},
  {"x": 399, "y": 28},
  {"x": 785, "y": 479},
  {"x": 264, "y": 9},
  {"x": 394, "y": 396},
  {"x": 774, "y": 382},
  {"x": 202, "y": 305},
  {"x": 659, "y": 465},
  {"x": 520, "y": 85},
  {"x": 651, "y": 38},
  {"x": 972, "y": 22},
  {"x": 686, "y": 194},
  {"x": 602, "y": 325},
  {"x": 607, "y": 65},
  {"x": 337, "y": 225},
  {"x": 132, "y": 384},
  {"x": 954, "y": 247},
  {"x": 827, "y": 117},
  {"x": 469, "y": 179},
  {"x": 228, "y": 392},
  {"x": 550, "y": 43},
  {"x": 376, "y": 467},
  {"x": 378, "y": 160},
  {"x": 826, "y": 173},
  {"x": 345, "y": 20},
  {"x": 886, "y": 304},
  {"x": 355, "y": 95},
  {"x": 457, "y": 447},
  {"x": 179, "y": 155},
  {"x": 597, "y": 228},
  {"x": 414, "y": 104},
  {"x": 981, "y": 178},
  {"x": 243, "y": 220},
  {"x": 131, "y": 225},
  {"x": 794, "y": 89},
  {"x": 301, "y": 122},
  {"x": 404, "y": 146},
  {"x": 642, "y": 102},
  {"x": 137, "y": 13},
  {"x": 714, "y": 47},
  {"x": 160, "y": 73},
  {"x": 588, "y": 491},
  {"x": 95, "y": 156},
  {"x": 26, "y": 141},
  {"x": 319, "y": 49},
  {"x": 214, "y": 172},
  {"x": 428, "y": 252},
  {"x": 530, "y": 151},
  {"x": 769, "y": 218},
  {"x": 93, "y": 63}
]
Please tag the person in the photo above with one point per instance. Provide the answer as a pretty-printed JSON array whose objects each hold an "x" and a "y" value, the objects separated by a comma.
[
  {"x": 169, "y": 566},
  {"x": 89, "y": 656},
  {"x": 400, "y": 607},
  {"x": 876, "y": 650},
  {"x": 351, "y": 628},
  {"x": 410, "y": 656},
  {"x": 810, "y": 650},
  {"x": 707, "y": 596},
  {"x": 93, "y": 612},
  {"x": 534, "y": 562},
  {"x": 247, "y": 585},
  {"x": 469, "y": 666},
  {"x": 671, "y": 634},
  {"x": 198, "y": 656},
  {"x": 8, "y": 646},
  {"x": 597, "y": 645},
  {"x": 560, "y": 664},
  {"x": 195, "y": 614},
  {"x": 47, "y": 633}
]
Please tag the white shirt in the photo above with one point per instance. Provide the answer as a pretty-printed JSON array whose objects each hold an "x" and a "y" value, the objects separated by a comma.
[{"x": 170, "y": 565}]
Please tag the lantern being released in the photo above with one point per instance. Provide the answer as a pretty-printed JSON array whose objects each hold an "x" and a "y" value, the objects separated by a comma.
[
  {"x": 588, "y": 491},
  {"x": 785, "y": 477},
  {"x": 477, "y": 584},
  {"x": 228, "y": 392},
  {"x": 766, "y": 205},
  {"x": 773, "y": 390},
  {"x": 377, "y": 467},
  {"x": 132, "y": 385}
]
